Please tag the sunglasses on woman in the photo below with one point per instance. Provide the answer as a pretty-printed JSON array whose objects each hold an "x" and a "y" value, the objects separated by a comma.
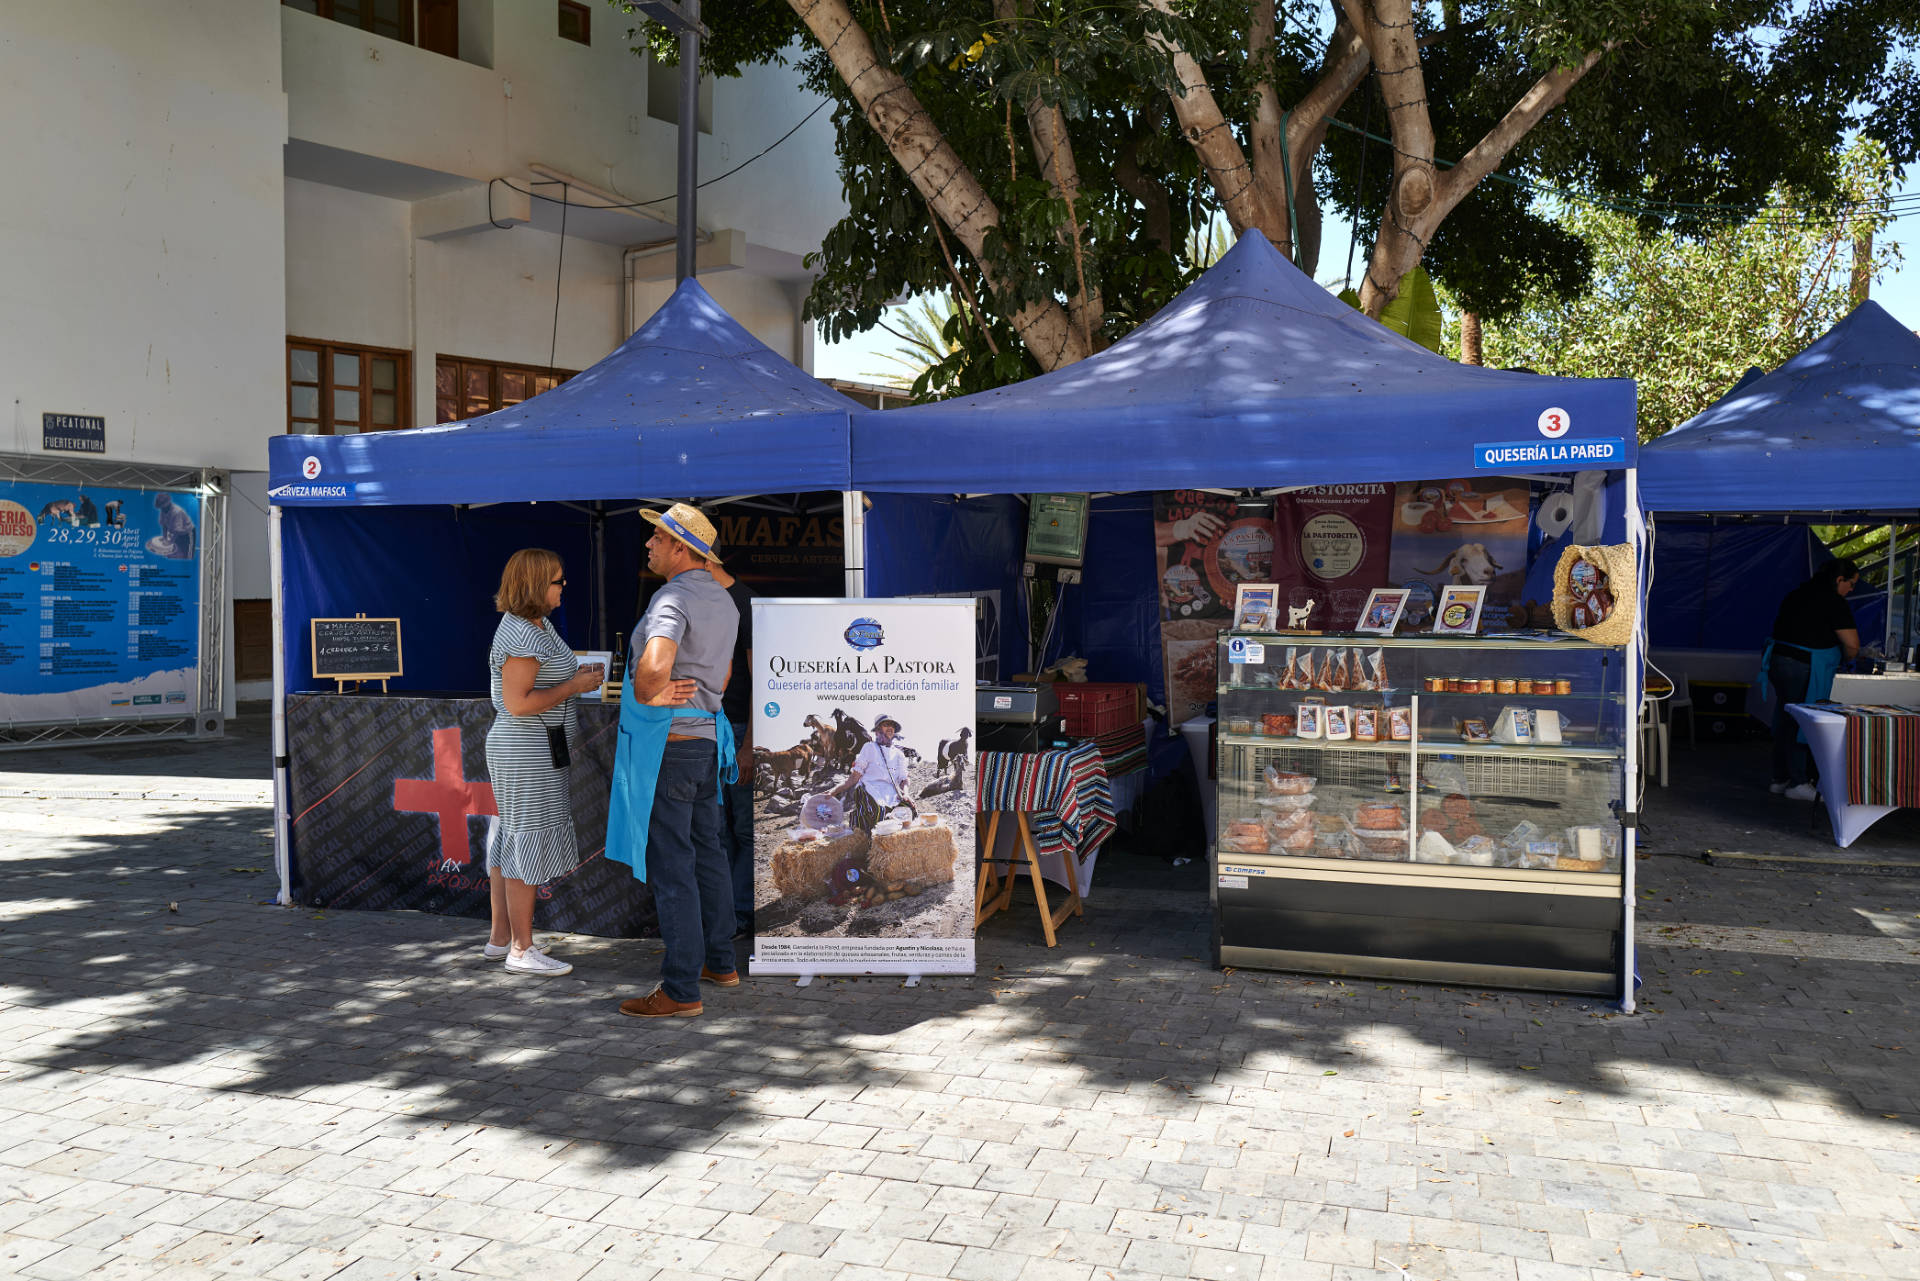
[{"x": 559, "y": 582}]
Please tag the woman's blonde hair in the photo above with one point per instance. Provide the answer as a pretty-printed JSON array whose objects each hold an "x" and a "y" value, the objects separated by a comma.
[{"x": 524, "y": 583}]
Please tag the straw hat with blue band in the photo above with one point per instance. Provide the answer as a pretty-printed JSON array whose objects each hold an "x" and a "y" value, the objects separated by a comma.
[{"x": 688, "y": 524}]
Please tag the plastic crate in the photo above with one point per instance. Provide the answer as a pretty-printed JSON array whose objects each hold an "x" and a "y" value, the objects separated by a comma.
[{"x": 1094, "y": 707}]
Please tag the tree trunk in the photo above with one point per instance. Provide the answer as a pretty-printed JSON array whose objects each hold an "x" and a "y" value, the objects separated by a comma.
[
  {"x": 1862, "y": 262},
  {"x": 1344, "y": 67},
  {"x": 1470, "y": 353},
  {"x": 1422, "y": 196},
  {"x": 1047, "y": 131},
  {"x": 937, "y": 172},
  {"x": 1269, "y": 121},
  {"x": 1155, "y": 200},
  {"x": 1244, "y": 198},
  {"x": 1388, "y": 33}
]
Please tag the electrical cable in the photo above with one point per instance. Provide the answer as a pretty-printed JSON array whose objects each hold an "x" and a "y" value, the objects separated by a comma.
[{"x": 661, "y": 200}]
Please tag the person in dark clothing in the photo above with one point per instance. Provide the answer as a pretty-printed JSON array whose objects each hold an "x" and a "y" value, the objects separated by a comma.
[
  {"x": 1812, "y": 634},
  {"x": 736, "y": 704}
]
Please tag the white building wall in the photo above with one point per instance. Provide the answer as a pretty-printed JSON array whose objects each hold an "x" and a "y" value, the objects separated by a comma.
[
  {"x": 143, "y": 237},
  {"x": 490, "y": 296},
  {"x": 200, "y": 179},
  {"x": 581, "y": 110},
  {"x": 349, "y": 267}
]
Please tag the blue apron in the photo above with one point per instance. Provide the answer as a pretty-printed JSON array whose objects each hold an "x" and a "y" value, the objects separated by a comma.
[
  {"x": 1823, "y": 665},
  {"x": 636, "y": 772}
]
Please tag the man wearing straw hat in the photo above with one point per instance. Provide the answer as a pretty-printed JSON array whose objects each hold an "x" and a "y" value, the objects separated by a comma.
[{"x": 675, "y": 755}]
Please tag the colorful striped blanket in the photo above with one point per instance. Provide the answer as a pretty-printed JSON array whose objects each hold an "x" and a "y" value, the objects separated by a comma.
[
  {"x": 1065, "y": 793},
  {"x": 1883, "y": 755},
  {"x": 1124, "y": 750}
]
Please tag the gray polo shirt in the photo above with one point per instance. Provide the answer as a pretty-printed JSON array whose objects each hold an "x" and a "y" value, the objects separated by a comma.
[{"x": 695, "y": 613}]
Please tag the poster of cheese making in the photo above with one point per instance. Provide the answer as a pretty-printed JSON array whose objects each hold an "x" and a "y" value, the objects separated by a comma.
[
  {"x": 1206, "y": 545},
  {"x": 1468, "y": 532},
  {"x": 99, "y": 602},
  {"x": 863, "y": 786}
]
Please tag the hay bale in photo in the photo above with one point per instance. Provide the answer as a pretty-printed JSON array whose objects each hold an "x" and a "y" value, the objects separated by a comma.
[
  {"x": 912, "y": 856},
  {"x": 800, "y": 866}
]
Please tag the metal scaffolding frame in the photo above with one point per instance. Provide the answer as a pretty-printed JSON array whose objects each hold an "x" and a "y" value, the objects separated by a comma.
[{"x": 205, "y": 720}]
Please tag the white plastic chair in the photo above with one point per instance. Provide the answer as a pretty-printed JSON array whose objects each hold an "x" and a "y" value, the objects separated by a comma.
[{"x": 1654, "y": 740}]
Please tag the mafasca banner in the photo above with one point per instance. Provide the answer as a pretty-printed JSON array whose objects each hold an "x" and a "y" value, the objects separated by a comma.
[
  {"x": 99, "y": 602},
  {"x": 863, "y": 786}
]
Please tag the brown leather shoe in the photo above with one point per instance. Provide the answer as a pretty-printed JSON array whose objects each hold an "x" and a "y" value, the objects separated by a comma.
[
  {"x": 728, "y": 978},
  {"x": 658, "y": 1005}
]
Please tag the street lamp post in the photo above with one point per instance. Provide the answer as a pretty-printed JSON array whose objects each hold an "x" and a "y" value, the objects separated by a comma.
[{"x": 683, "y": 18}]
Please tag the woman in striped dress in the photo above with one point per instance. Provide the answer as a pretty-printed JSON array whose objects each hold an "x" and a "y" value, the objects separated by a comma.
[{"x": 535, "y": 683}]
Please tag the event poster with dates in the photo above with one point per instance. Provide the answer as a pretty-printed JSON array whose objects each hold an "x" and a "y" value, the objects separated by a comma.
[{"x": 99, "y": 602}]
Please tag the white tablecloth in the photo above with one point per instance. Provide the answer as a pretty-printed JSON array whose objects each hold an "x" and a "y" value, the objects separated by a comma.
[
  {"x": 1826, "y": 733},
  {"x": 1898, "y": 689},
  {"x": 1053, "y": 867}
]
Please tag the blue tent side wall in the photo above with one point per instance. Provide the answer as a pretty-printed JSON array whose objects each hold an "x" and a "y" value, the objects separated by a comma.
[
  {"x": 937, "y": 543},
  {"x": 436, "y": 568},
  {"x": 1719, "y": 586}
]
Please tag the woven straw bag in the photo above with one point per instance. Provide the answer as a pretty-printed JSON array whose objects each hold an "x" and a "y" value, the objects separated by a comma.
[{"x": 1616, "y": 561}]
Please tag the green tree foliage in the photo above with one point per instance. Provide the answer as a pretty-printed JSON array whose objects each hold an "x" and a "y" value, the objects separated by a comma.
[
  {"x": 1687, "y": 315},
  {"x": 1688, "y": 112}
]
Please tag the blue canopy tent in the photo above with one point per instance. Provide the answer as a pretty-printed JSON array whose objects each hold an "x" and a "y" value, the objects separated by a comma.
[
  {"x": 1255, "y": 378},
  {"x": 690, "y": 405},
  {"x": 419, "y": 522},
  {"x": 1832, "y": 435},
  {"x": 1834, "y": 430}
]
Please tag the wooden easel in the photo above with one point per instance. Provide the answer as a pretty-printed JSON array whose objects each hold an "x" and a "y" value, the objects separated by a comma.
[{"x": 994, "y": 891}]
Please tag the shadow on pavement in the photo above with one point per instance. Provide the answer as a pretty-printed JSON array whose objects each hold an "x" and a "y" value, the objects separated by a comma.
[{"x": 142, "y": 939}]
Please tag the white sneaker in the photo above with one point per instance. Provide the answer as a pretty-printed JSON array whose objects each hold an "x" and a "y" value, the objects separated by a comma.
[
  {"x": 1775, "y": 788},
  {"x": 1802, "y": 792},
  {"x": 536, "y": 962},
  {"x": 498, "y": 951}
]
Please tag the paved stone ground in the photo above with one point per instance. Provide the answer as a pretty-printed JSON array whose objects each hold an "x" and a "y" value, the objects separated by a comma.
[{"x": 195, "y": 1083}]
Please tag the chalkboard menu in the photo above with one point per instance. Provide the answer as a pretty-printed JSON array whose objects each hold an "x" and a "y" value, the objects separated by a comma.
[{"x": 356, "y": 648}]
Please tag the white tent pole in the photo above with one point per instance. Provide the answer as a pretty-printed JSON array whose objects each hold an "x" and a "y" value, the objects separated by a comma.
[
  {"x": 853, "y": 508},
  {"x": 1630, "y": 686},
  {"x": 282, "y": 856}
]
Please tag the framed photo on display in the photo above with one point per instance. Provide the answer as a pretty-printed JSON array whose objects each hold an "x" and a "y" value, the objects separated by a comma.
[
  {"x": 1381, "y": 614},
  {"x": 1457, "y": 613},
  {"x": 1256, "y": 607}
]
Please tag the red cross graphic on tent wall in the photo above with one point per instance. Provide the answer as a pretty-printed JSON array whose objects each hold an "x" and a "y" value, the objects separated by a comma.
[{"x": 448, "y": 794}]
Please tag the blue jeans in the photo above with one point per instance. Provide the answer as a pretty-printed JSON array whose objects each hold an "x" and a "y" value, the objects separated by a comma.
[
  {"x": 687, "y": 870},
  {"x": 739, "y": 809},
  {"x": 1789, "y": 675}
]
